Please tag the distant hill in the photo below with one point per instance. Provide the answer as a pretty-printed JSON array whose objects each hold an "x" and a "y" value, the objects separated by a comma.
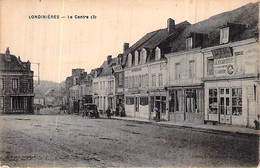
[{"x": 46, "y": 86}]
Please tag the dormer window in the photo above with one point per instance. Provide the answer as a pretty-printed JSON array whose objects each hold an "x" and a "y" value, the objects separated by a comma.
[
  {"x": 129, "y": 60},
  {"x": 189, "y": 43},
  {"x": 136, "y": 57},
  {"x": 224, "y": 35},
  {"x": 143, "y": 56},
  {"x": 157, "y": 54}
]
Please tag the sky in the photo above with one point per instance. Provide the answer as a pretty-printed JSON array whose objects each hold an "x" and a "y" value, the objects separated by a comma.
[{"x": 60, "y": 45}]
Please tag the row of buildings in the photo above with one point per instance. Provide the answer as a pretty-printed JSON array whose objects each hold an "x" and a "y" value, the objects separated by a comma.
[{"x": 202, "y": 72}]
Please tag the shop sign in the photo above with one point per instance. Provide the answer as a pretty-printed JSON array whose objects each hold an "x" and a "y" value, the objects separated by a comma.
[
  {"x": 224, "y": 66},
  {"x": 222, "y": 53}
]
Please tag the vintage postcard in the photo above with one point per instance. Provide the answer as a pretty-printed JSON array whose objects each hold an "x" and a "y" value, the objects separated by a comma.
[{"x": 129, "y": 83}]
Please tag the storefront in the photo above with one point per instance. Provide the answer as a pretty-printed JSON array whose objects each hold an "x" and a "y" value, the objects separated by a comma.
[
  {"x": 158, "y": 102},
  {"x": 231, "y": 102},
  {"x": 186, "y": 104},
  {"x": 137, "y": 105}
]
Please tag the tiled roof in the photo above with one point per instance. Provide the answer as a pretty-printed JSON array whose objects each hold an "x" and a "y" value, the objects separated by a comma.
[
  {"x": 247, "y": 15},
  {"x": 14, "y": 64},
  {"x": 107, "y": 68},
  {"x": 153, "y": 39}
]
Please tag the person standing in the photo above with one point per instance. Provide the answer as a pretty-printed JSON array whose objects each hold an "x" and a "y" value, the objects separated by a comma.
[{"x": 108, "y": 112}]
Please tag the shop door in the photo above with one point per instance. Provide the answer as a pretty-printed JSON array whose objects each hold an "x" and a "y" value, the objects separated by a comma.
[{"x": 225, "y": 117}]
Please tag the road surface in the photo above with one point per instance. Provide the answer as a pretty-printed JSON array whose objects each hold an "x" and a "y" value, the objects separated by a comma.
[{"x": 70, "y": 140}]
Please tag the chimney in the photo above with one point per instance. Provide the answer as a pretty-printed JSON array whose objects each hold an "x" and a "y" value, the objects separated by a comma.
[
  {"x": 7, "y": 54},
  {"x": 170, "y": 25},
  {"x": 126, "y": 46},
  {"x": 109, "y": 59}
]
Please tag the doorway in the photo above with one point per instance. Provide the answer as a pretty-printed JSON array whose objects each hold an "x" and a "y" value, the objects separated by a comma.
[{"x": 225, "y": 114}]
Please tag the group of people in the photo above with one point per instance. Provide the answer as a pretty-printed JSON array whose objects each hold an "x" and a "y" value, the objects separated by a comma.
[{"x": 119, "y": 112}]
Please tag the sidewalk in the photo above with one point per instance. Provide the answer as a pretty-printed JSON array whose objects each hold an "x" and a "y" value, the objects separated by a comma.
[{"x": 220, "y": 128}]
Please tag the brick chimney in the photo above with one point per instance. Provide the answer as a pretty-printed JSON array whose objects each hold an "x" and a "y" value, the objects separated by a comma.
[
  {"x": 109, "y": 59},
  {"x": 7, "y": 54},
  {"x": 170, "y": 25},
  {"x": 126, "y": 46}
]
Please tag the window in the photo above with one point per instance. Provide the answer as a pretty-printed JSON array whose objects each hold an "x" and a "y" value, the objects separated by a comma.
[
  {"x": 176, "y": 100},
  {"x": 1, "y": 103},
  {"x": 143, "y": 56},
  {"x": 153, "y": 80},
  {"x": 129, "y": 100},
  {"x": 213, "y": 101},
  {"x": 237, "y": 101},
  {"x": 15, "y": 83},
  {"x": 136, "y": 57},
  {"x": 120, "y": 78},
  {"x": 194, "y": 99},
  {"x": 210, "y": 66},
  {"x": 17, "y": 103},
  {"x": 129, "y": 60},
  {"x": 157, "y": 54},
  {"x": 1, "y": 83},
  {"x": 192, "y": 69},
  {"x": 100, "y": 85},
  {"x": 104, "y": 86},
  {"x": 189, "y": 43},
  {"x": 160, "y": 77},
  {"x": 144, "y": 81},
  {"x": 177, "y": 71},
  {"x": 137, "y": 81},
  {"x": 126, "y": 82},
  {"x": 224, "y": 33},
  {"x": 143, "y": 101}
]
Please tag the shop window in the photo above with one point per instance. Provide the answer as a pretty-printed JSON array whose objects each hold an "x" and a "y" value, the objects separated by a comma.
[
  {"x": 210, "y": 66},
  {"x": 15, "y": 83},
  {"x": 194, "y": 99},
  {"x": 213, "y": 101},
  {"x": 191, "y": 69},
  {"x": 177, "y": 71},
  {"x": 129, "y": 100},
  {"x": 227, "y": 91},
  {"x": 143, "y": 101},
  {"x": 17, "y": 103},
  {"x": 176, "y": 101},
  {"x": 237, "y": 101}
]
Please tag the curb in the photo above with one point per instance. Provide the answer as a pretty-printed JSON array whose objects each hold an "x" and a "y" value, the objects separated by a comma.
[{"x": 207, "y": 130}]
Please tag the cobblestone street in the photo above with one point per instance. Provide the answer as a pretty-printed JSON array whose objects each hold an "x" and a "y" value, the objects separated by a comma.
[{"x": 70, "y": 140}]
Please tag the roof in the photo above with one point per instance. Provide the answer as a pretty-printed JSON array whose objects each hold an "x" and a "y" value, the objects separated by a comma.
[
  {"x": 155, "y": 38},
  {"x": 246, "y": 15},
  {"x": 14, "y": 64},
  {"x": 107, "y": 68}
]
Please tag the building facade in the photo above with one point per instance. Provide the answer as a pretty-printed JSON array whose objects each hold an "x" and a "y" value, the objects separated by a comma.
[
  {"x": 16, "y": 85},
  {"x": 104, "y": 85}
]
